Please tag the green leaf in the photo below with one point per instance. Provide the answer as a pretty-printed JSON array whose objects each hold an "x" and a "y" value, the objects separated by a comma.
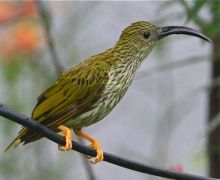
[{"x": 194, "y": 11}]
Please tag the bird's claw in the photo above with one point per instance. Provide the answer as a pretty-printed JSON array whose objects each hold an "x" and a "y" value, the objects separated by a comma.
[
  {"x": 99, "y": 153},
  {"x": 68, "y": 146},
  {"x": 68, "y": 139},
  {"x": 95, "y": 145}
]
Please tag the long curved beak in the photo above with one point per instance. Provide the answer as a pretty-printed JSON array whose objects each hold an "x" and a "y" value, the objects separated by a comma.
[{"x": 169, "y": 30}]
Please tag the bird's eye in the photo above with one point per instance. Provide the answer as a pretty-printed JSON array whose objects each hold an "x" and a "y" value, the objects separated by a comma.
[{"x": 146, "y": 35}]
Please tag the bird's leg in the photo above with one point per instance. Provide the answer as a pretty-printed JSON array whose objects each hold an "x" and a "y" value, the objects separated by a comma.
[
  {"x": 95, "y": 145},
  {"x": 67, "y": 133}
]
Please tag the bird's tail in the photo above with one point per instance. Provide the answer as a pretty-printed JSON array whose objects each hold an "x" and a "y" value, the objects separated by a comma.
[{"x": 17, "y": 140}]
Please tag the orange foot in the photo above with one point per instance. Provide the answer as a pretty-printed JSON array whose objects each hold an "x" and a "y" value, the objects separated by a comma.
[
  {"x": 68, "y": 137},
  {"x": 95, "y": 145}
]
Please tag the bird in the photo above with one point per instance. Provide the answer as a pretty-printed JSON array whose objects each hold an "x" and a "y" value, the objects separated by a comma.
[{"x": 87, "y": 92}]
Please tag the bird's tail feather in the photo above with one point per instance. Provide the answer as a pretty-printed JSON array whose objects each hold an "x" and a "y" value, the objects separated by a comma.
[{"x": 17, "y": 140}]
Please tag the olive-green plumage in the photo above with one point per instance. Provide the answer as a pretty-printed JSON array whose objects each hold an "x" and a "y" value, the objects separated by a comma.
[{"x": 86, "y": 93}]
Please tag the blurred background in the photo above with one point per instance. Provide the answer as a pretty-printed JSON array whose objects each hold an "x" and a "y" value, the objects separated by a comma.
[{"x": 169, "y": 117}]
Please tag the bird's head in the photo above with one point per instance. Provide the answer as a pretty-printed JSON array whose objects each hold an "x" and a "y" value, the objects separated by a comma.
[{"x": 142, "y": 36}]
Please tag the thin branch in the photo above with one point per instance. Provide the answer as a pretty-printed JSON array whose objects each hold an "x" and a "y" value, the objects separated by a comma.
[
  {"x": 46, "y": 21},
  {"x": 35, "y": 126},
  {"x": 173, "y": 65},
  {"x": 87, "y": 165}
]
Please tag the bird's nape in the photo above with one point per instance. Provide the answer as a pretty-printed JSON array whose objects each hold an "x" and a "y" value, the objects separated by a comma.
[{"x": 169, "y": 30}]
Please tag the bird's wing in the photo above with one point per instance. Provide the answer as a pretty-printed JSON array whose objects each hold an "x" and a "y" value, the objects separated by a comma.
[{"x": 74, "y": 93}]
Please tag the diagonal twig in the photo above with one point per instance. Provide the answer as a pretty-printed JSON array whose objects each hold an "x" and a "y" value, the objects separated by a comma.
[
  {"x": 35, "y": 126},
  {"x": 46, "y": 21}
]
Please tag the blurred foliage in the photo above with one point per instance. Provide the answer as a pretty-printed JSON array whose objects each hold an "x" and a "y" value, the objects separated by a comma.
[
  {"x": 26, "y": 69},
  {"x": 193, "y": 9},
  {"x": 210, "y": 26},
  {"x": 193, "y": 12},
  {"x": 22, "y": 47}
]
